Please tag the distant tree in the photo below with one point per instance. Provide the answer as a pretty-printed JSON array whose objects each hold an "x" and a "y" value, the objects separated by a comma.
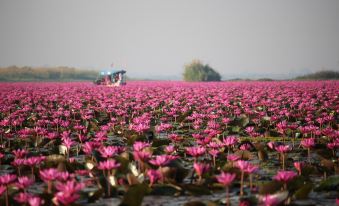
[{"x": 197, "y": 72}]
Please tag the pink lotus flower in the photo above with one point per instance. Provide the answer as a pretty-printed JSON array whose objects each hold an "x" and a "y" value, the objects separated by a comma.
[
  {"x": 244, "y": 203},
  {"x": 63, "y": 176},
  {"x": 230, "y": 141},
  {"x": 271, "y": 145},
  {"x": 140, "y": 128},
  {"x": 298, "y": 166},
  {"x": 283, "y": 148},
  {"x": 308, "y": 143},
  {"x": 142, "y": 155},
  {"x": 249, "y": 130},
  {"x": 22, "y": 197},
  {"x": 35, "y": 201},
  {"x": 197, "y": 136},
  {"x": 7, "y": 179},
  {"x": 162, "y": 160},
  {"x": 82, "y": 172},
  {"x": 163, "y": 127},
  {"x": 2, "y": 189},
  {"x": 138, "y": 146},
  {"x": 332, "y": 145},
  {"x": 20, "y": 153},
  {"x": 88, "y": 147},
  {"x": 108, "y": 164},
  {"x": 175, "y": 137},
  {"x": 71, "y": 186},
  {"x": 18, "y": 162},
  {"x": 215, "y": 145},
  {"x": 34, "y": 161},
  {"x": 242, "y": 164},
  {"x": 169, "y": 149},
  {"x": 195, "y": 151},
  {"x": 66, "y": 198},
  {"x": 214, "y": 152},
  {"x": 67, "y": 142},
  {"x": 245, "y": 146},
  {"x": 49, "y": 174},
  {"x": 251, "y": 168},
  {"x": 244, "y": 167},
  {"x": 226, "y": 120},
  {"x": 24, "y": 182},
  {"x": 232, "y": 157},
  {"x": 270, "y": 200},
  {"x": 154, "y": 175},
  {"x": 285, "y": 176},
  {"x": 109, "y": 151},
  {"x": 200, "y": 169},
  {"x": 226, "y": 178}
]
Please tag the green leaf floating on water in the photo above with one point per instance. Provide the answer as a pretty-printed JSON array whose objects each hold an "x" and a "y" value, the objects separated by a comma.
[
  {"x": 302, "y": 192},
  {"x": 197, "y": 189},
  {"x": 179, "y": 171},
  {"x": 168, "y": 190},
  {"x": 194, "y": 203},
  {"x": 330, "y": 184},
  {"x": 235, "y": 129},
  {"x": 123, "y": 164},
  {"x": 134, "y": 195},
  {"x": 95, "y": 195},
  {"x": 269, "y": 188},
  {"x": 160, "y": 142},
  {"x": 241, "y": 121}
]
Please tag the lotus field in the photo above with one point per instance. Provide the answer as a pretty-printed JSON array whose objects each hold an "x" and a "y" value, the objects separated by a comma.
[{"x": 170, "y": 143}]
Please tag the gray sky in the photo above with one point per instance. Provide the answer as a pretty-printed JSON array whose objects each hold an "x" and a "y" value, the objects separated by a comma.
[{"x": 157, "y": 37}]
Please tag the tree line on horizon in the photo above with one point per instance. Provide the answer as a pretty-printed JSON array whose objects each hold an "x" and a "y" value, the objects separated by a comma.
[
  {"x": 14, "y": 73},
  {"x": 320, "y": 75},
  {"x": 195, "y": 71}
]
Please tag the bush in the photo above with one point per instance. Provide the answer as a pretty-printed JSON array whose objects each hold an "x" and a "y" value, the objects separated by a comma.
[{"x": 196, "y": 71}]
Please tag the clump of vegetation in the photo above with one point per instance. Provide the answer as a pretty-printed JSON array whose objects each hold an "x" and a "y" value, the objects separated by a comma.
[
  {"x": 14, "y": 73},
  {"x": 196, "y": 71},
  {"x": 320, "y": 75}
]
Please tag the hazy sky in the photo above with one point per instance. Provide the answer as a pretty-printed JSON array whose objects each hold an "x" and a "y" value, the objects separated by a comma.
[{"x": 157, "y": 37}]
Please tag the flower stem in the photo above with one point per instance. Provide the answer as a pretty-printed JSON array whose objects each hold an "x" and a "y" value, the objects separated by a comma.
[
  {"x": 108, "y": 184},
  {"x": 227, "y": 196},
  {"x": 7, "y": 204},
  {"x": 283, "y": 161},
  {"x": 242, "y": 184},
  {"x": 49, "y": 187}
]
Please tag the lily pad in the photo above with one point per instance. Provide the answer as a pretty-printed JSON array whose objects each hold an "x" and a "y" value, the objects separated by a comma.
[
  {"x": 134, "y": 195},
  {"x": 330, "y": 184},
  {"x": 269, "y": 188},
  {"x": 164, "y": 190},
  {"x": 303, "y": 192},
  {"x": 197, "y": 189}
]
